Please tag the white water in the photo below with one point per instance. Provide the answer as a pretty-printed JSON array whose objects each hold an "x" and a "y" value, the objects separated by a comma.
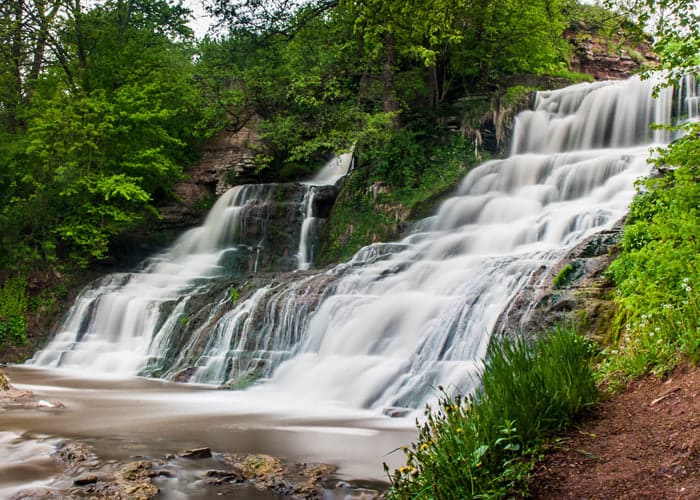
[
  {"x": 386, "y": 328},
  {"x": 111, "y": 328},
  {"x": 333, "y": 171}
]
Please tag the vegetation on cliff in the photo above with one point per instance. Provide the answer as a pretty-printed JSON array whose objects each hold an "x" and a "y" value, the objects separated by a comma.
[{"x": 657, "y": 274}]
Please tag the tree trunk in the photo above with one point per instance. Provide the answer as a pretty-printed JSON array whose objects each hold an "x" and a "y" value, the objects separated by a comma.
[{"x": 390, "y": 105}]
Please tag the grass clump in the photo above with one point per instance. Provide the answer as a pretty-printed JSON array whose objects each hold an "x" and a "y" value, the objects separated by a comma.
[{"x": 480, "y": 447}]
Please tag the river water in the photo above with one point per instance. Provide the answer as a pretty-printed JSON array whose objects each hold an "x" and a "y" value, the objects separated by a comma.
[{"x": 124, "y": 418}]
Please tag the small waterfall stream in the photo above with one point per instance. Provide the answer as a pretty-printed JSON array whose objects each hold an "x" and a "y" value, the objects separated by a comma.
[
  {"x": 386, "y": 328},
  {"x": 329, "y": 175}
]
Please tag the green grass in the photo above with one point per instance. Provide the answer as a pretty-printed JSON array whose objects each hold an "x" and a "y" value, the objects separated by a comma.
[
  {"x": 654, "y": 344},
  {"x": 482, "y": 447}
]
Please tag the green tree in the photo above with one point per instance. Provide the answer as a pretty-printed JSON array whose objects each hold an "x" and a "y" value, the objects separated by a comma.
[
  {"x": 111, "y": 123},
  {"x": 675, "y": 25}
]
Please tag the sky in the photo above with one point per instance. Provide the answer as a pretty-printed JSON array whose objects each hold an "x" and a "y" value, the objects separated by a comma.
[{"x": 201, "y": 21}]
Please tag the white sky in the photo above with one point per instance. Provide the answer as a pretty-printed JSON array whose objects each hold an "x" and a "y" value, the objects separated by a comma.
[{"x": 201, "y": 21}]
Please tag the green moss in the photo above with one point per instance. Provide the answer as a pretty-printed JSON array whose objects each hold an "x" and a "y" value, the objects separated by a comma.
[
  {"x": 563, "y": 276},
  {"x": 243, "y": 382}
]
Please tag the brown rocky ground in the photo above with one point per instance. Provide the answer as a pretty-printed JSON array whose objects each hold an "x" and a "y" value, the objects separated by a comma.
[{"x": 641, "y": 444}]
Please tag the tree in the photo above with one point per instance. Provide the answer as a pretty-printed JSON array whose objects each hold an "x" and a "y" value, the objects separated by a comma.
[
  {"x": 413, "y": 30},
  {"x": 109, "y": 126},
  {"x": 675, "y": 26},
  {"x": 25, "y": 33}
]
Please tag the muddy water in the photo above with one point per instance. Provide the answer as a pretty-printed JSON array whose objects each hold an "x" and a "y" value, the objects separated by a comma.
[{"x": 135, "y": 417}]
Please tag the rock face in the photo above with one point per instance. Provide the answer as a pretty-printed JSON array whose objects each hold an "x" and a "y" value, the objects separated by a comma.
[
  {"x": 574, "y": 290},
  {"x": 275, "y": 298},
  {"x": 592, "y": 55},
  {"x": 226, "y": 157}
]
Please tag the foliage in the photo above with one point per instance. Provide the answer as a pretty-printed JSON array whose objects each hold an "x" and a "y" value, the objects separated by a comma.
[
  {"x": 104, "y": 133},
  {"x": 676, "y": 28},
  {"x": 658, "y": 272},
  {"x": 481, "y": 447},
  {"x": 600, "y": 20},
  {"x": 409, "y": 173},
  {"x": 234, "y": 295},
  {"x": 324, "y": 76},
  {"x": 13, "y": 307}
]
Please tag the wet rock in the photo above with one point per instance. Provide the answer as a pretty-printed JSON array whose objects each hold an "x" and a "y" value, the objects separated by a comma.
[
  {"x": 224, "y": 476},
  {"x": 299, "y": 480},
  {"x": 133, "y": 481},
  {"x": 162, "y": 473},
  {"x": 74, "y": 453},
  {"x": 196, "y": 453},
  {"x": 37, "y": 494},
  {"x": 85, "y": 480},
  {"x": 135, "y": 471},
  {"x": 14, "y": 398},
  {"x": 550, "y": 298}
]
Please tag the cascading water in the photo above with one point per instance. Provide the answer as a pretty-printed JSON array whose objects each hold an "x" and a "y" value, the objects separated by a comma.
[
  {"x": 125, "y": 323},
  {"x": 384, "y": 329}
]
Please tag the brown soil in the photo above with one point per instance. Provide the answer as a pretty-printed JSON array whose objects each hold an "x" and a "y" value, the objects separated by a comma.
[{"x": 643, "y": 443}]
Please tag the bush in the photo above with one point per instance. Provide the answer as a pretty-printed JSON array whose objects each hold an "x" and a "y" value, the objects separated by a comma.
[
  {"x": 658, "y": 271},
  {"x": 480, "y": 447}
]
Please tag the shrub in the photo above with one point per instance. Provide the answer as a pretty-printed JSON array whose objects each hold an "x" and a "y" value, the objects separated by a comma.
[
  {"x": 13, "y": 305},
  {"x": 658, "y": 271}
]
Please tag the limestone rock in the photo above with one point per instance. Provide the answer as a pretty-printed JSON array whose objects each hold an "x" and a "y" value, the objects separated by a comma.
[
  {"x": 299, "y": 480},
  {"x": 593, "y": 55}
]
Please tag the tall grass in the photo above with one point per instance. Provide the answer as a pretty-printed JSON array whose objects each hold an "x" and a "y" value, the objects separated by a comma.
[{"x": 478, "y": 447}]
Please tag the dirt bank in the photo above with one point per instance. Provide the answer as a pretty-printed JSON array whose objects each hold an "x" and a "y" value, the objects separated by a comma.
[{"x": 643, "y": 443}]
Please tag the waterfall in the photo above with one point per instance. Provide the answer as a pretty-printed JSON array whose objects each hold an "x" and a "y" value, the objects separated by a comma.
[
  {"x": 386, "y": 328},
  {"x": 125, "y": 322},
  {"x": 329, "y": 175}
]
